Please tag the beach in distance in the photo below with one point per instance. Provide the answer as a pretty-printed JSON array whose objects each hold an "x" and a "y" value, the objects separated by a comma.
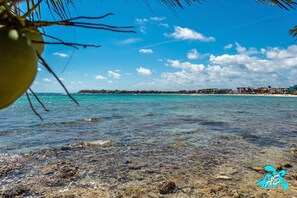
[{"x": 148, "y": 145}]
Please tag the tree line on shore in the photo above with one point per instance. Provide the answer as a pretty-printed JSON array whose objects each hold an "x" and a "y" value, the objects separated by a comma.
[{"x": 239, "y": 90}]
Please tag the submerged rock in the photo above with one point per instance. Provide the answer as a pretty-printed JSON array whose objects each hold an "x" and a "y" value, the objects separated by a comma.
[
  {"x": 17, "y": 191},
  {"x": 294, "y": 151},
  {"x": 58, "y": 173},
  {"x": 250, "y": 137},
  {"x": 4, "y": 170},
  {"x": 286, "y": 165},
  {"x": 167, "y": 187}
]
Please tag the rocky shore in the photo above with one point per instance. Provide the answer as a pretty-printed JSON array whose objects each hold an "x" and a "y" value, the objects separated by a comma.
[{"x": 176, "y": 169}]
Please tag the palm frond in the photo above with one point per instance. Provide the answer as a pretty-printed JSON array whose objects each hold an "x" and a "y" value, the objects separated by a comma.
[
  {"x": 293, "y": 31},
  {"x": 285, "y": 4},
  {"x": 60, "y": 7},
  {"x": 175, "y": 3}
]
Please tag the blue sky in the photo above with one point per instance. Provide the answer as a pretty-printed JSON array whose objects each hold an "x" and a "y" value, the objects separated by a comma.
[{"x": 219, "y": 43}]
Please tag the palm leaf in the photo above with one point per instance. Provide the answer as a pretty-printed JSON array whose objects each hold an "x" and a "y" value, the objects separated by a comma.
[
  {"x": 293, "y": 31},
  {"x": 60, "y": 7},
  {"x": 285, "y": 4},
  {"x": 178, "y": 3}
]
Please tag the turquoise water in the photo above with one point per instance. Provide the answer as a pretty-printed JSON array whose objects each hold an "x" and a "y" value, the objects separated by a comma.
[{"x": 138, "y": 119}]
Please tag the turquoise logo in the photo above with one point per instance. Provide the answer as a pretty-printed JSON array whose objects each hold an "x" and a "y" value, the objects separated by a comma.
[{"x": 273, "y": 179}]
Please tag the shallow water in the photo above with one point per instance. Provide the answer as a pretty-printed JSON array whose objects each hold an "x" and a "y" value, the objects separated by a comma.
[
  {"x": 126, "y": 118},
  {"x": 177, "y": 137}
]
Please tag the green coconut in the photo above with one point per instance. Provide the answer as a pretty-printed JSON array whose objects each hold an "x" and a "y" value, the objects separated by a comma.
[
  {"x": 34, "y": 35},
  {"x": 18, "y": 65}
]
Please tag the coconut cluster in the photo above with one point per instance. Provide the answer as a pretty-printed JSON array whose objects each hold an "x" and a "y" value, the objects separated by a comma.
[{"x": 18, "y": 63}]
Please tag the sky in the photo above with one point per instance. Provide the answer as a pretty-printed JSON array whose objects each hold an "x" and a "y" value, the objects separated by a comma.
[{"x": 214, "y": 44}]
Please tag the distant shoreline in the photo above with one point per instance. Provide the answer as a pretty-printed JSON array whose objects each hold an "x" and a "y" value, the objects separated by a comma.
[
  {"x": 111, "y": 92},
  {"x": 268, "y": 95}
]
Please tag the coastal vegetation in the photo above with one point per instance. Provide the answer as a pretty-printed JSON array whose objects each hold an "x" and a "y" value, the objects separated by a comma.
[{"x": 239, "y": 90}]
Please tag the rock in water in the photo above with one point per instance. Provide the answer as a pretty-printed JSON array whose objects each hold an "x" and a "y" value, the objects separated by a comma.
[{"x": 167, "y": 187}]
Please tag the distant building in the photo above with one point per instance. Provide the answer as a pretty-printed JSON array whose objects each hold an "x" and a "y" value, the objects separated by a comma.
[
  {"x": 283, "y": 90},
  {"x": 245, "y": 90},
  {"x": 262, "y": 90}
]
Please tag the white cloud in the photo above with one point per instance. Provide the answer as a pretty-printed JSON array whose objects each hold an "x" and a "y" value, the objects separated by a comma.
[
  {"x": 188, "y": 34},
  {"x": 142, "y": 29},
  {"x": 146, "y": 51},
  {"x": 76, "y": 82},
  {"x": 99, "y": 77},
  {"x": 141, "y": 21},
  {"x": 39, "y": 69},
  {"x": 62, "y": 55},
  {"x": 193, "y": 54},
  {"x": 229, "y": 46},
  {"x": 144, "y": 71},
  {"x": 129, "y": 41},
  {"x": 61, "y": 79},
  {"x": 249, "y": 61},
  {"x": 158, "y": 18},
  {"x": 47, "y": 80},
  {"x": 276, "y": 53},
  {"x": 239, "y": 48},
  {"x": 114, "y": 75},
  {"x": 247, "y": 67},
  {"x": 165, "y": 25},
  {"x": 243, "y": 61},
  {"x": 187, "y": 66},
  {"x": 180, "y": 78},
  {"x": 243, "y": 50}
]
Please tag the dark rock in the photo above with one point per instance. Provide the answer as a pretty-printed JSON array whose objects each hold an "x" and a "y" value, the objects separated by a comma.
[
  {"x": 4, "y": 170},
  {"x": 287, "y": 165},
  {"x": 65, "y": 148},
  {"x": 279, "y": 168},
  {"x": 58, "y": 173},
  {"x": 264, "y": 195},
  {"x": 284, "y": 165},
  {"x": 66, "y": 196},
  {"x": 167, "y": 187},
  {"x": 128, "y": 162},
  {"x": 250, "y": 137},
  {"x": 18, "y": 191}
]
